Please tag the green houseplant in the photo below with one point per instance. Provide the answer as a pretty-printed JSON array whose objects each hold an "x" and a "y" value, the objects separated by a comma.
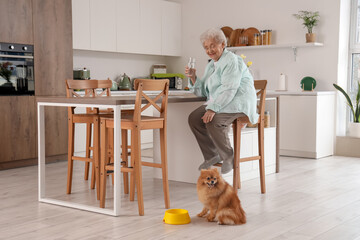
[
  {"x": 310, "y": 20},
  {"x": 354, "y": 127}
]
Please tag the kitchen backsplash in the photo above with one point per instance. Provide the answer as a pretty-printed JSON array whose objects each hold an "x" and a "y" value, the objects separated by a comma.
[{"x": 105, "y": 65}]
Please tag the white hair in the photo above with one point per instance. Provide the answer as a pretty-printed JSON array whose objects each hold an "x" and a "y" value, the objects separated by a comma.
[{"x": 213, "y": 33}]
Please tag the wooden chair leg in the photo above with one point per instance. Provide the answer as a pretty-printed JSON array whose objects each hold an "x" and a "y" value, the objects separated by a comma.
[
  {"x": 138, "y": 175},
  {"x": 132, "y": 175},
  {"x": 110, "y": 149},
  {"x": 124, "y": 158},
  {"x": 103, "y": 159},
  {"x": 93, "y": 176},
  {"x": 237, "y": 144},
  {"x": 261, "y": 154},
  {"x": 87, "y": 150},
  {"x": 96, "y": 158},
  {"x": 164, "y": 167},
  {"x": 71, "y": 133}
]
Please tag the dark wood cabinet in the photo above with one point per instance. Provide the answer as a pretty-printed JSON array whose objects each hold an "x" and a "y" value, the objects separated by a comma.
[
  {"x": 48, "y": 26},
  {"x": 53, "y": 64},
  {"x": 18, "y": 129},
  {"x": 16, "y": 24}
]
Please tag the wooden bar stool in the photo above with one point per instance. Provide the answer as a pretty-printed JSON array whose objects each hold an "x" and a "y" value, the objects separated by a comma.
[
  {"x": 260, "y": 86},
  {"x": 91, "y": 118},
  {"x": 135, "y": 122}
]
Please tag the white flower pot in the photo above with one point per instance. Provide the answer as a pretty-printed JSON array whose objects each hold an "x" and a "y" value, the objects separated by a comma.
[{"x": 354, "y": 129}]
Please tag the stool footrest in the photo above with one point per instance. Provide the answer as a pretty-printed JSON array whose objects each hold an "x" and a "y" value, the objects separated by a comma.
[
  {"x": 249, "y": 159},
  {"x": 110, "y": 169},
  {"x": 148, "y": 164},
  {"x": 85, "y": 159}
]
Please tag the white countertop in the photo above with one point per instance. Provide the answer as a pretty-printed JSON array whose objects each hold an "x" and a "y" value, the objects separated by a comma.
[
  {"x": 171, "y": 93},
  {"x": 268, "y": 92},
  {"x": 300, "y": 93}
]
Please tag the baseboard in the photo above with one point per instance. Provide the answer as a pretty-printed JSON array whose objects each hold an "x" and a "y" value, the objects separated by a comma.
[{"x": 31, "y": 162}]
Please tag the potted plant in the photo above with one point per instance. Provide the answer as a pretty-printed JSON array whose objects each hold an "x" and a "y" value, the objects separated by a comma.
[
  {"x": 354, "y": 127},
  {"x": 310, "y": 19}
]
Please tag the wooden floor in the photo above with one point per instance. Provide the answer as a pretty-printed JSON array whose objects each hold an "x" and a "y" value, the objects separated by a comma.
[{"x": 308, "y": 199}]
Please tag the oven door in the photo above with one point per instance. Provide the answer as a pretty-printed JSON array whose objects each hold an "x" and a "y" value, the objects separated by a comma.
[{"x": 16, "y": 73}]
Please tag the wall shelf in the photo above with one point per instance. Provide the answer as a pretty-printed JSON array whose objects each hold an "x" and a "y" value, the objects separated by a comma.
[{"x": 293, "y": 46}]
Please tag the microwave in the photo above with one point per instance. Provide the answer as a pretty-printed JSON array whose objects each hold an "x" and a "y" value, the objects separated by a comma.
[{"x": 175, "y": 79}]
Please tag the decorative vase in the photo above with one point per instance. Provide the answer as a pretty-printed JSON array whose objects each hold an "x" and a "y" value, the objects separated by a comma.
[
  {"x": 354, "y": 129},
  {"x": 310, "y": 37}
]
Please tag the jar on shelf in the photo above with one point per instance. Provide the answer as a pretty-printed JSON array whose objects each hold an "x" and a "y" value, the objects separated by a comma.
[
  {"x": 256, "y": 39},
  {"x": 262, "y": 37},
  {"x": 267, "y": 119},
  {"x": 269, "y": 37}
]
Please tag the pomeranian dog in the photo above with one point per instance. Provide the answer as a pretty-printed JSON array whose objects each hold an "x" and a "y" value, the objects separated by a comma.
[{"x": 219, "y": 198}]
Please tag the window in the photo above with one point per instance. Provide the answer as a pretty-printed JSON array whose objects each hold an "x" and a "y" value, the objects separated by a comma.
[{"x": 354, "y": 50}]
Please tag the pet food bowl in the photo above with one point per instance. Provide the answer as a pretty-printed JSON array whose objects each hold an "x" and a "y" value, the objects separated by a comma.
[{"x": 176, "y": 216}]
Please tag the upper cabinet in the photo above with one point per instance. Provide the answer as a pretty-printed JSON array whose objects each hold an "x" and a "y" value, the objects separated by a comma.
[
  {"x": 103, "y": 25},
  {"x": 128, "y": 35},
  {"x": 16, "y": 22},
  {"x": 150, "y": 26},
  {"x": 171, "y": 29},
  {"x": 81, "y": 24},
  {"x": 129, "y": 26}
]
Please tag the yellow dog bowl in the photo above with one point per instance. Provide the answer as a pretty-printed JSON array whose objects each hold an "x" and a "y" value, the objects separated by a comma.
[{"x": 177, "y": 216}]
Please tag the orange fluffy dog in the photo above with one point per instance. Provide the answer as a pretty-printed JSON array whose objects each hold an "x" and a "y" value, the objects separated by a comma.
[{"x": 220, "y": 198}]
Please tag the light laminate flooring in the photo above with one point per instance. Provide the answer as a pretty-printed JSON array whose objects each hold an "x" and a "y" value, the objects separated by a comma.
[{"x": 308, "y": 199}]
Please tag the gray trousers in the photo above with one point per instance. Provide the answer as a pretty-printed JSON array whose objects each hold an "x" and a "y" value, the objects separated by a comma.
[{"x": 212, "y": 137}]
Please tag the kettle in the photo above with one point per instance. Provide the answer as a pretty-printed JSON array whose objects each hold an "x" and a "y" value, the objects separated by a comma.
[{"x": 125, "y": 83}]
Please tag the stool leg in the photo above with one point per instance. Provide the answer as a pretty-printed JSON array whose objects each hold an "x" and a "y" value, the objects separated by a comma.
[
  {"x": 164, "y": 166},
  {"x": 71, "y": 133},
  {"x": 96, "y": 158},
  {"x": 103, "y": 159},
  {"x": 124, "y": 158},
  {"x": 237, "y": 144},
  {"x": 132, "y": 175},
  {"x": 93, "y": 175},
  {"x": 138, "y": 175},
  {"x": 110, "y": 149},
  {"x": 261, "y": 154},
  {"x": 87, "y": 151}
]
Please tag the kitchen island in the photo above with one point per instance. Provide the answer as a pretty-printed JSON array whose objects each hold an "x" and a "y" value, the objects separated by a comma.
[{"x": 184, "y": 155}]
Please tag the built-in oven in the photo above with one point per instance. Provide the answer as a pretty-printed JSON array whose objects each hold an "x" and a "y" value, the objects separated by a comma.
[{"x": 17, "y": 69}]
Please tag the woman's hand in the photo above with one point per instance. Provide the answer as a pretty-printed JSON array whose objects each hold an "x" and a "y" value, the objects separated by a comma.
[
  {"x": 208, "y": 116},
  {"x": 191, "y": 73}
]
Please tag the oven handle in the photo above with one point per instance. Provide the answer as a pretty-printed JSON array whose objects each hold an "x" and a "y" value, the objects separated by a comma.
[{"x": 16, "y": 56}]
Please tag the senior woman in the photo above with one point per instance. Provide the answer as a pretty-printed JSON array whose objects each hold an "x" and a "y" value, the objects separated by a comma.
[{"x": 229, "y": 87}]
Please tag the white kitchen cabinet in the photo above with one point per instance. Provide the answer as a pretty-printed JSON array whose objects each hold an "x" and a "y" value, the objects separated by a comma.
[
  {"x": 81, "y": 24},
  {"x": 128, "y": 26},
  {"x": 171, "y": 29},
  {"x": 150, "y": 26},
  {"x": 307, "y": 125},
  {"x": 103, "y": 25}
]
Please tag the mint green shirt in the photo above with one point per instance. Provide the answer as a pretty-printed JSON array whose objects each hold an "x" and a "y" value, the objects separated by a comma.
[{"x": 229, "y": 86}]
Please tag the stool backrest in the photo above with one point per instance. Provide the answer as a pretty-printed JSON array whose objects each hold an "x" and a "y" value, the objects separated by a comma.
[
  {"x": 141, "y": 85},
  {"x": 91, "y": 87},
  {"x": 260, "y": 87}
]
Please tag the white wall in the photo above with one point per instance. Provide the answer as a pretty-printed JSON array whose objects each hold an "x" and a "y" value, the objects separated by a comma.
[
  {"x": 320, "y": 63},
  {"x": 105, "y": 65}
]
